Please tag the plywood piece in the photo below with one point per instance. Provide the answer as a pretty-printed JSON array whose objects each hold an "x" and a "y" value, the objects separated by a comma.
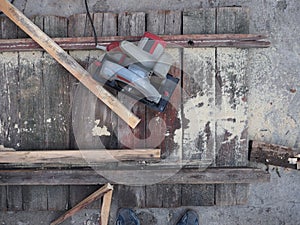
[
  {"x": 57, "y": 198},
  {"x": 35, "y": 198},
  {"x": 199, "y": 21}
]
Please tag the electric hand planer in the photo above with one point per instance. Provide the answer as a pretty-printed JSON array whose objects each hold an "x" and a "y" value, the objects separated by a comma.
[{"x": 140, "y": 71}]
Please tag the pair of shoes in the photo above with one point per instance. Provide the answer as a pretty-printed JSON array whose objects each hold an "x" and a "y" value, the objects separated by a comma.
[
  {"x": 127, "y": 217},
  {"x": 189, "y": 218}
]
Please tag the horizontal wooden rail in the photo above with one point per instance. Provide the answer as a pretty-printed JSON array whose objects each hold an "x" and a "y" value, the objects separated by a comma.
[
  {"x": 74, "y": 158},
  {"x": 91, "y": 177},
  {"x": 191, "y": 40}
]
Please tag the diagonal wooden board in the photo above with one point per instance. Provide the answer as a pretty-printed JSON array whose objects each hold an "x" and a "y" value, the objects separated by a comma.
[{"x": 68, "y": 62}]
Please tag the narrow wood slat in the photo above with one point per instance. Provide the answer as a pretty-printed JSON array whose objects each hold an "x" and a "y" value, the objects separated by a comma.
[
  {"x": 77, "y": 157},
  {"x": 96, "y": 195},
  {"x": 3, "y": 197},
  {"x": 186, "y": 41},
  {"x": 91, "y": 177},
  {"x": 105, "y": 209}
]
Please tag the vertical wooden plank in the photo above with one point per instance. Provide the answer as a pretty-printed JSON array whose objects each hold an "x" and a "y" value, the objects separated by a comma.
[
  {"x": 132, "y": 24},
  {"x": 3, "y": 203},
  {"x": 34, "y": 198},
  {"x": 131, "y": 196},
  {"x": 166, "y": 22},
  {"x": 98, "y": 23},
  {"x": 231, "y": 104},
  {"x": 57, "y": 89},
  {"x": 80, "y": 192},
  {"x": 198, "y": 195},
  {"x": 110, "y": 24},
  {"x": 57, "y": 198},
  {"x": 9, "y": 90},
  {"x": 199, "y": 21},
  {"x": 14, "y": 198},
  {"x": 199, "y": 101},
  {"x": 79, "y": 26}
]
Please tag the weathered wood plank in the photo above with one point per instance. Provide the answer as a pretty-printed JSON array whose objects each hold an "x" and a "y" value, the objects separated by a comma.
[
  {"x": 15, "y": 198},
  {"x": 231, "y": 102},
  {"x": 199, "y": 21},
  {"x": 79, "y": 26},
  {"x": 131, "y": 196},
  {"x": 3, "y": 197},
  {"x": 271, "y": 154},
  {"x": 110, "y": 22},
  {"x": 35, "y": 198},
  {"x": 105, "y": 208},
  {"x": 57, "y": 198},
  {"x": 91, "y": 177},
  {"x": 154, "y": 196},
  {"x": 7, "y": 28},
  {"x": 197, "y": 195},
  {"x": 75, "y": 157}
]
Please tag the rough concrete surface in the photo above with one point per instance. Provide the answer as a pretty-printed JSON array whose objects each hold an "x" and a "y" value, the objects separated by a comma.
[{"x": 274, "y": 108}]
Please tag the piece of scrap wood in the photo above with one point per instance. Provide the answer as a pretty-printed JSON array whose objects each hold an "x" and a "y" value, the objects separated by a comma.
[
  {"x": 68, "y": 62},
  {"x": 93, "y": 197},
  {"x": 106, "y": 203},
  {"x": 186, "y": 41},
  {"x": 271, "y": 154},
  {"x": 76, "y": 157}
]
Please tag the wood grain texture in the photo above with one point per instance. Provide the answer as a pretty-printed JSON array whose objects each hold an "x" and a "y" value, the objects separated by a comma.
[
  {"x": 35, "y": 198},
  {"x": 58, "y": 198},
  {"x": 105, "y": 209},
  {"x": 3, "y": 194},
  {"x": 15, "y": 198},
  {"x": 199, "y": 21},
  {"x": 231, "y": 102}
]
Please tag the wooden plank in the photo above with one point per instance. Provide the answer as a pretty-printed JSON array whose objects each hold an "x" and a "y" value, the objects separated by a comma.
[
  {"x": 197, "y": 195},
  {"x": 35, "y": 198},
  {"x": 131, "y": 196},
  {"x": 184, "y": 41},
  {"x": 231, "y": 102},
  {"x": 199, "y": 21},
  {"x": 91, "y": 177},
  {"x": 68, "y": 62},
  {"x": 133, "y": 24},
  {"x": 105, "y": 209},
  {"x": 15, "y": 198},
  {"x": 110, "y": 22},
  {"x": 76, "y": 157},
  {"x": 80, "y": 26},
  {"x": 199, "y": 99},
  {"x": 96, "y": 195},
  {"x": 161, "y": 23},
  {"x": 271, "y": 154},
  {"x": 8, "y": 28},
  {"x": 57, "y": 198},
  {"x": 3, "y": 197}
]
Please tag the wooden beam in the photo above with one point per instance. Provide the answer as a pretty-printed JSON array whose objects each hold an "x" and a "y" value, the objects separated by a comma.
[
  {"x": 92, "y": 177},
  {"x": 67, "y": 62},
  {"x": 74, "y": 158},
  {"x": 105, "y": 209},
  {"x": 93, "y": 197},
  {"x": 186, "y": 41},
  {"x": 271, "y": 154}
]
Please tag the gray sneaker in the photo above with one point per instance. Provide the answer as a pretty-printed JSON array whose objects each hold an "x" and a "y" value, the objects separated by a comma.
[
  {"x": 127, "y": 217},
  {"x": 189, "y": 218}
]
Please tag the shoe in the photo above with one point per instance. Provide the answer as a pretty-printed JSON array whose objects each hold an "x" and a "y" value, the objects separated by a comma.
[
  {"x": 189, "y": 218},
  {"x": 127, "y": 217}
]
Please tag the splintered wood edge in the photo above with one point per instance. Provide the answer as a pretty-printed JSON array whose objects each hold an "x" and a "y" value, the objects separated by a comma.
[{"x": 91, "y": 198}]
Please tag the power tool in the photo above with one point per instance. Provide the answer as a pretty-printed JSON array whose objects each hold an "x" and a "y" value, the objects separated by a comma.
[{"x": 140, "y": 70}]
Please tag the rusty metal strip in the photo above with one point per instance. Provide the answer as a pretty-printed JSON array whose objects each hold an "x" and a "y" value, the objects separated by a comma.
[{"x": 194, "y": 40}]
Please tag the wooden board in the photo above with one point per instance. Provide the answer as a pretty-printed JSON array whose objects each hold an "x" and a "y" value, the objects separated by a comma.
[
  {"x": 35, "y": 198},
  {"x": 91, "y": 177},
  {"x": 15, "y": 198},
  {"x": 231, "y": 101}
]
